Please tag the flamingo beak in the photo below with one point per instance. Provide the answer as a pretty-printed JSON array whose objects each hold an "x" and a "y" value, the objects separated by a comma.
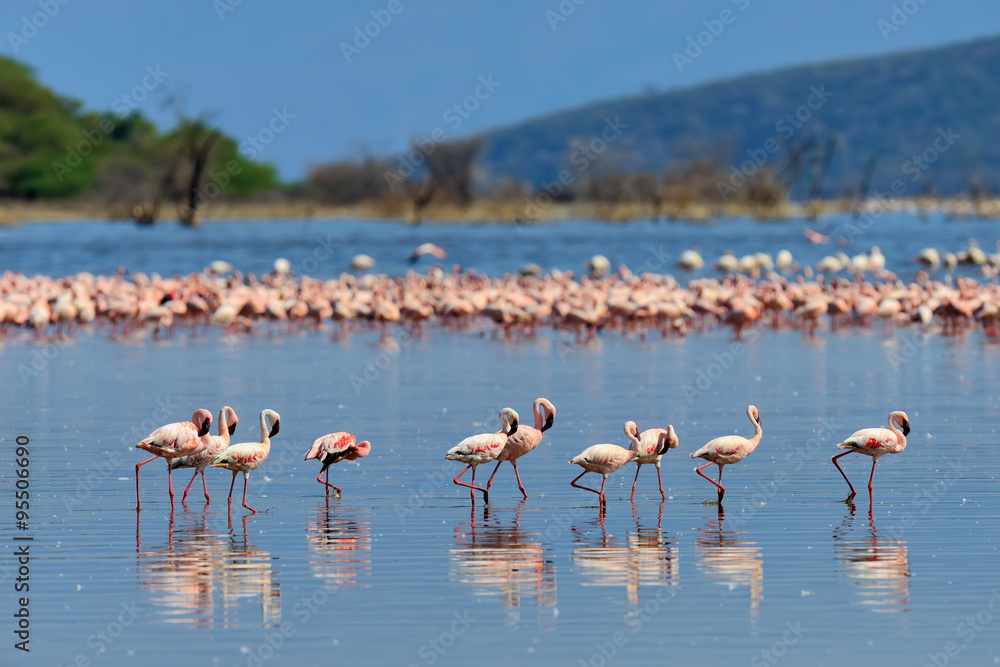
[
  {"x": 906, "y": 428},
  {"x": 232, "y": 428},
  {"x": 206, "y": 426},
  {"x": 513, "y": 428},
  {"x": 548, "y": 423},
  {"x": 274, "y": 429}
]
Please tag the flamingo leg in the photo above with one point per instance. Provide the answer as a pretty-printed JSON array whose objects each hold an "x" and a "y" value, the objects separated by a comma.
[
  {"x": 231, "y": 485},
  {"x": 714, "y": 483},
  {"x": 473, "y": 487},
  {"x": 659, "y": 479},
  {"x": 872, "y": 476},
  {"x": 327, "y": 482},
  {"x": 184, "y": 497},
  {"x": 638, "y": 467},
  {"x": 834, "y": 459},
  {"x": 518, "y": 477},
  {"x": 137, "y": 466},
  {"x": 600, "y": 493},
  {"x": 246, "y": 478},
  {"x": 722, "y": 489},
  {"x": 489, "y": 482},
  {"x": 604, "y": 500},
  {"x": 204, "y": 485},
  {"x": 170, "y": 484}
]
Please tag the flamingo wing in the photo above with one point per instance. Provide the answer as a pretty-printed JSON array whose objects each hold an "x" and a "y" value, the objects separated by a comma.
[
  {"x": 171, "y": 437},
  {"x": 870, "y": 440},
  {"x": 336, "y": 444}
]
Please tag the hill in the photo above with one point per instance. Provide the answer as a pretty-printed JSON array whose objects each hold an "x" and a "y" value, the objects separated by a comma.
[{"x": 940, "y": 105}]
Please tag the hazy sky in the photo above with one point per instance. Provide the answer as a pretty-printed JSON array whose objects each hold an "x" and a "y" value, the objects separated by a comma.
[{"x": 242, "y": 59}]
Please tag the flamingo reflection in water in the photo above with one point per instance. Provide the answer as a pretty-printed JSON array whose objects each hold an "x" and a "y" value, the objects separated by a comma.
[
  {"x": 645, "y": 557},
  {"x": 340, "y": 546},
  {"x": 492, "y": 556},
  {"x": 879, "y": 567},
  {"x": 731, "y": 559},
  {"x": 202, "y": 573}
]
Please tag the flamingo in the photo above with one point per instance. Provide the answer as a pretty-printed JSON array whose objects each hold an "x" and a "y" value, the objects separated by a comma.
[
  {"x": 174, "y": 441},
  {"x": 729, "y": 449},
  {"x": 605, "y": 459},
  {"x": 525, "y": 440},
  {"x": 653, "y": 444},
  {"x": 875, "y": 442},
  {"x": 247, "y": 456},
  {"x": 427, "y": 249},
  {"x": 483, "y": 448},
  {"x": 201, "y": 459},
  {"x": 334, "y": 448}
]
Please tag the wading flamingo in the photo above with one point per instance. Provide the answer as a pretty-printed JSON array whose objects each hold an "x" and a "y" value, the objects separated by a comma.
[
  {"x": 174, "y": 441},
  {"x": 605, "y": 459},
  {"x": 875, "y": 442},
  {"x": 201, "y": 459},
  {"x": 653, "y": 444},
  {"x": 526, "y": 439},
  {"x": 483, "y": 448},
  {"x": 729, "y": 449},
  {"x": 334, "y": 448},
  {"x": 427, "y": 249},
  {"x": 247, "y": 456}
]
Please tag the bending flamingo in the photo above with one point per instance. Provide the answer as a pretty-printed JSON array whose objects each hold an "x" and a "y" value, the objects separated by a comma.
[
  {"x": 483, "y": 448},
  {"x": 174, "y": 441},
  {"x": 605, "y": 459},
  {"x": 334, "y": 448},
  {"x": 526, "y": 439},
  {"x": 729, "y": 449},
  {"x": 202, "y": 458},
  {"x": 653, "y": 444},
  {"x": 247, "y": 456},
  {"x": 875, "y": 442}
]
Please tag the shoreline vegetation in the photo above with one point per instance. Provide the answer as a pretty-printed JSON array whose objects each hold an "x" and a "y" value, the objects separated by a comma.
[{"x": 510, "y": 212}]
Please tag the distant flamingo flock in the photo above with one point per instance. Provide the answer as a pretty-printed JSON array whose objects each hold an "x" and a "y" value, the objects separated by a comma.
[
  {"x": 753, "y": 290},
  {"x": 189, "y": 445}
]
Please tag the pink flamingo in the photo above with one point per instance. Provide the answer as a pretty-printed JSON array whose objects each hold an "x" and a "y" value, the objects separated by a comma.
[
  {"x": 483, "y": 448},
  {"x": 334, "y": 448},
  {"x": 427, "y": 249},
  {"x": 201, "y": 459},
  {"x": 605, "y": 459},
  {"x": 875, "y": 442},
  {"x": 525, "y": 440},
  {"x": 729, "y": 449},
  {"x": 653, "y": 444},
  {"x": 174, "y": 441},
  {"x": 247, "y": 456}
]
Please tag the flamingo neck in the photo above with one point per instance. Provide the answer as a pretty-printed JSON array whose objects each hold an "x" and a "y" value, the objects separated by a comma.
[
  {"x": 264, "y": 430},
  {"x": 223, "y": 425},
  {"x": 900, "y": 438},
  {"x": 539, "y": 421}
]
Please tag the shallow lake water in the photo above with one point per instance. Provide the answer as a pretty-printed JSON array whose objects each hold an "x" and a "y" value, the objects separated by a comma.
[{"x": 406, "y": 569}]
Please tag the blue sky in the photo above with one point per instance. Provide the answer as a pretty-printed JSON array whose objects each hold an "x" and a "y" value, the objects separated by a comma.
[{"x": 242, "y": 61}]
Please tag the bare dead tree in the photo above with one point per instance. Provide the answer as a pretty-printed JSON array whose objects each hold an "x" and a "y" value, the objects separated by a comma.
[
  {"x": 196, "y": 141},
  {"x": 865, "y": 183},
  {"x": 449, "y": 171}
]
